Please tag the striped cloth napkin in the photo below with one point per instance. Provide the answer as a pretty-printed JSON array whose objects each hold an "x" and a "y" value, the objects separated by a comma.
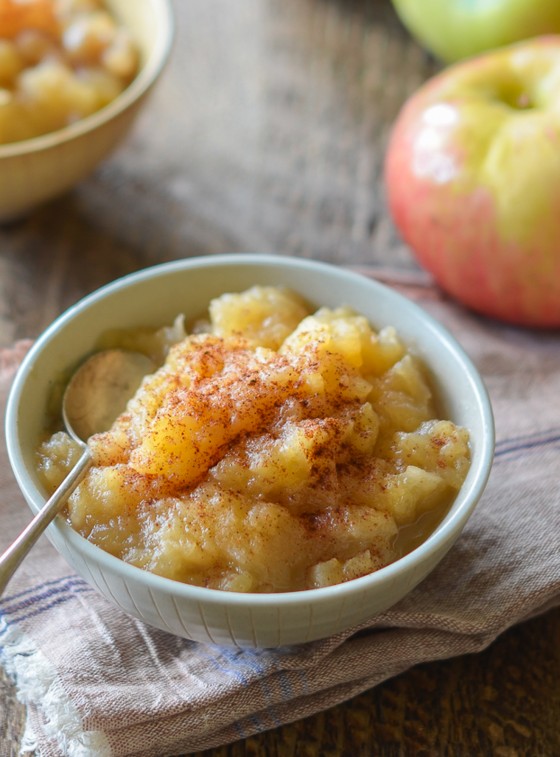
[{"x": 96, "y": 682}]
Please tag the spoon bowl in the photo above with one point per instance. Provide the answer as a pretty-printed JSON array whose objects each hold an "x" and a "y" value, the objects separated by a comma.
[{"x": 99, "y": 390}]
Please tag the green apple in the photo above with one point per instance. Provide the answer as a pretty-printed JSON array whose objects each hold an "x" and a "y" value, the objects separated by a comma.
[
  {"x": 472, "y": 176},
  {"x": 456, "y": 29}
]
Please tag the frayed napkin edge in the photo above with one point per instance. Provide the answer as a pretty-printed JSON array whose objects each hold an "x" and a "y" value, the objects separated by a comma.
[{"x": 37, "y": 681}]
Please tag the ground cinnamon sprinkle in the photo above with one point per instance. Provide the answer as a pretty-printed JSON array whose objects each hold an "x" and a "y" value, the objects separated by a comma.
[{"x": 284, "y": 454}]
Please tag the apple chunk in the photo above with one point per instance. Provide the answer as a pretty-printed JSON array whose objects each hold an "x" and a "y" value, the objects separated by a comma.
[{"x": 473, "y": 181}]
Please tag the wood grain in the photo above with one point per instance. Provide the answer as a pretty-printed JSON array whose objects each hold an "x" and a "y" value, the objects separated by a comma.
[{"x": 267, "y": 133}]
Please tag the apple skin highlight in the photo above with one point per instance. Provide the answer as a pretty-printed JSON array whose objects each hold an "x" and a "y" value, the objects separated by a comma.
[{"x": 472, "y": 176}]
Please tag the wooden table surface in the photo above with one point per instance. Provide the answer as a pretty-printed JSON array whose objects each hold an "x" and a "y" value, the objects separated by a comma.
[{"x": 267, "y": 133}]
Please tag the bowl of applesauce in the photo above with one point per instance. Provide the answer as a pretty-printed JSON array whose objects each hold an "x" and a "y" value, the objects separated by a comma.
[
  {"x": 306, "y": 449},
  {"x": 73, "y": 77}
]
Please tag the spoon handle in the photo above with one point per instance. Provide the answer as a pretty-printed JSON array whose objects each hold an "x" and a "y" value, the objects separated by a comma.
[{"x": 15, "y": 553}]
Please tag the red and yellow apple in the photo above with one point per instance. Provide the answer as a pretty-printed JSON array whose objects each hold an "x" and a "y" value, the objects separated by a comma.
[
  {"x": 456, "y": 29},
  {"x": 472, "y": 176}
]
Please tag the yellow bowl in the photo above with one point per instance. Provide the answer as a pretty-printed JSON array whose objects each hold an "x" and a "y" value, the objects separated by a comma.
[{"x": 36, "y": 170}]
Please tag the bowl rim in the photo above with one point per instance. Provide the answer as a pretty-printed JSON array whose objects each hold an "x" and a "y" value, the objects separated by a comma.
[
  {"x": 443, "y": 534},
  {"x": 149, "y": 72}
]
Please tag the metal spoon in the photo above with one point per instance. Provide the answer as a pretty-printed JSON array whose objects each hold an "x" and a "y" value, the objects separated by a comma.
[{"x": 95, "y": 395}]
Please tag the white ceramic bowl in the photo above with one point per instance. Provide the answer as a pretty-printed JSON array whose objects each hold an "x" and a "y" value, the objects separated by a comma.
[
  {"x": 36, "y": 170},
  {"x": 153, "y": 297}
]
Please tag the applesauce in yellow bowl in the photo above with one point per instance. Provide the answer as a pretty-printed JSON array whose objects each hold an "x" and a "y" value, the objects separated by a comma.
[{"x": 74, "y": 75}]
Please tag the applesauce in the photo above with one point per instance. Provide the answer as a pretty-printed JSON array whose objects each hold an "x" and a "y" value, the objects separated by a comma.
[
  {"x": 275, "y": 449},
  {"x": 60, "y": 61}
]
